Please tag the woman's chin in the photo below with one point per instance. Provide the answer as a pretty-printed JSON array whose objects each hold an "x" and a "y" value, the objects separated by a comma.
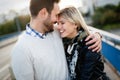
[{"x": 62, "y": 36}]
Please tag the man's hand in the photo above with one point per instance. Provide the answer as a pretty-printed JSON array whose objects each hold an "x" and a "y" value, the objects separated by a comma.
[{"x": 94, "y": 39}]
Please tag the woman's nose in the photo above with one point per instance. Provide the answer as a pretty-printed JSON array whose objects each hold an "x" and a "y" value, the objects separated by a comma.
[{"x": 58, "y": 26}]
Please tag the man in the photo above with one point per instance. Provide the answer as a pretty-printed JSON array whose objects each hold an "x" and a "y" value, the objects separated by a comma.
[{"x": 39, "y": 52}]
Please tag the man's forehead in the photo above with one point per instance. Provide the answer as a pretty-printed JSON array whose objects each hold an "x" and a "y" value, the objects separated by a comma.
[{"x": 56, "y": 8}]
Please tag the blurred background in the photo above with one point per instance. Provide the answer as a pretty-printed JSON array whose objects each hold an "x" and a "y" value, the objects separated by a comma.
[{"x": 103, "y": 15}]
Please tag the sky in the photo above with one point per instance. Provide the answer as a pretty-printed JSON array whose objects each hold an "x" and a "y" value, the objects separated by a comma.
[
  {"x": 7, "y": 5},
  {"x": 75, "y": 3},
  {"x": 17, "y": 5},
  {"x": 9, "y": 8}
]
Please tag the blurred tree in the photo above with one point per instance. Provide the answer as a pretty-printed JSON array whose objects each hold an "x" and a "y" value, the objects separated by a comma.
[
  {"x": 109, "y": 14},
  {"x": 15, "y": 25}
]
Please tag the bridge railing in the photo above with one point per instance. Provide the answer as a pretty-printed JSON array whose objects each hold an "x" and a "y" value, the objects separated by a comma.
[
  {"x": 110, "y": 48},
  {"x": 108, "y": 36}
]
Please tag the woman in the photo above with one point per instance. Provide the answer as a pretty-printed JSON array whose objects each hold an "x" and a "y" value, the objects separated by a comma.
[{"x": 83, "y": 64}]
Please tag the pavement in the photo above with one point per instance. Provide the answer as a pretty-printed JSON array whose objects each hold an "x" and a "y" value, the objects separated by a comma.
[{"x": 111, "y": 72}]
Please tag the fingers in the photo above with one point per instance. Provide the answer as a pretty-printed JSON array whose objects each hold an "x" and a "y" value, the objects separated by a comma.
[
  {"x": 89, "y": 37},
  {"x": 97, "y": 48},
  {"x": 94, "y": 45},
  {"x": 95, "y": 41},
  {"x": 92, "y": 41}
]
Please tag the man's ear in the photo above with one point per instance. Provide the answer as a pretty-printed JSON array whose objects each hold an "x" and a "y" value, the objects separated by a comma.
[{"x": 43, "y": 13}]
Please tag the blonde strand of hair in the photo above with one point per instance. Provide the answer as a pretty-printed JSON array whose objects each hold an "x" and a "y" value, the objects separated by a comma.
[{"x": 83, "y": 23}]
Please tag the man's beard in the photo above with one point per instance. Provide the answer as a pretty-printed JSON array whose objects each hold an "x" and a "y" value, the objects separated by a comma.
[{"x": 49, "y": 25}]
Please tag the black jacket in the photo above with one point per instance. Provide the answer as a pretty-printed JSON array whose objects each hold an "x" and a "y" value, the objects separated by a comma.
[{"x": 89, "y": 65}]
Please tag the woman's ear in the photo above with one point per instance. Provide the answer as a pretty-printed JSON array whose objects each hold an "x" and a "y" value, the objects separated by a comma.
[{"x": 75, "y": 26}]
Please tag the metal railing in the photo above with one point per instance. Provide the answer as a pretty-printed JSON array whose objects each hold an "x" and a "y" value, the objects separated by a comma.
[
  {"x": 110, "y": 49},
  {"x": 115, "y": 39}
]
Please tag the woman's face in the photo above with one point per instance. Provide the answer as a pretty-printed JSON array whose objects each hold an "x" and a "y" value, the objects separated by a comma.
[{"x": 66, "y": 28}]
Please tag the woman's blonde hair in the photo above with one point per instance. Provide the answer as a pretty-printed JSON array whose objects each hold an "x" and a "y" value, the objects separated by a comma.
[{"x": 74, "y": 16}]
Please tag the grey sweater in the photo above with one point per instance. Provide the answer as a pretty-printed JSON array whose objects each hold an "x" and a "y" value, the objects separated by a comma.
[{"x": 39, "y": 59}]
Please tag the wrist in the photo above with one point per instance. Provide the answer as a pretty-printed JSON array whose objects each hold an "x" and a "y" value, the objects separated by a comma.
[{"x": 99, "y": 35}]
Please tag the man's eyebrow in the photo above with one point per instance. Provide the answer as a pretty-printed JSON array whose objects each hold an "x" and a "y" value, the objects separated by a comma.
[
  {"x": 61, "y": 21},
  {"x": 56, "y": 15}
]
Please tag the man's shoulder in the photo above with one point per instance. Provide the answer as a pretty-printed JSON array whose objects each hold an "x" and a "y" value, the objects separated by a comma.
[
  {"x": 56, "y": 34},
  {"x": 21, "y": 42},
  {"x": 20, "y": 48}
]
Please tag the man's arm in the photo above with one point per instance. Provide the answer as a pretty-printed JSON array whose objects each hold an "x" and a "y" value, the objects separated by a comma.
[
  {"x": 96, "y": 40},
  {"x": 21, "y": 64}
]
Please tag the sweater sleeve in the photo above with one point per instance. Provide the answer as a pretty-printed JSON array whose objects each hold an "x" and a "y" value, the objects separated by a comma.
[{"x": 22, "y": 64}]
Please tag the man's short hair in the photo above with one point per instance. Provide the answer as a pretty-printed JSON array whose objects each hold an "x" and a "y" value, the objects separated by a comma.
[{"x": 37, "y": 5}]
